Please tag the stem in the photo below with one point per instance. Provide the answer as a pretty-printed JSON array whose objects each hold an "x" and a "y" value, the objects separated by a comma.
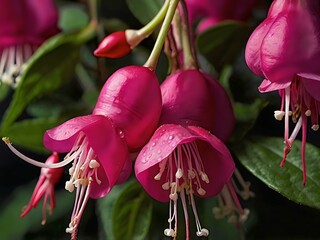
[
  {"x": 189, "y": 59},
  {"x": 148, "y": 29},
  {"x": 156, "y": 51}
]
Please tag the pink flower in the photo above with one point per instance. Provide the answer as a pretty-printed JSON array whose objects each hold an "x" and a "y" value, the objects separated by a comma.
[
  {"x": 131, "y": 98},
  {"x": 45, "y": 189},
  {"x": 285, "y": 51},
  {"x": 211, "y": 12},
  {"x": 182, "y": 159},
  {"x": 25, "y": 24},
  {"x": 98, "y": 155}
]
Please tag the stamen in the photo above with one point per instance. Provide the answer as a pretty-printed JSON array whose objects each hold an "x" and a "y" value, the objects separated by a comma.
[
  {"x": 279, "y": 115},
  {"x": 32, "y": 161},
  {"x": 308, "y": 113},
  {"x": 315, "y": 127}
]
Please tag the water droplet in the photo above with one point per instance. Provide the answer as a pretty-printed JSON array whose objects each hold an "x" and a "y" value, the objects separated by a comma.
[
  {"x": 144, "y": 154},
  {"x": 153, "y": 144},
  {"x": 121, "y": 134},
  {"x": 159, "y": 151},
  {"x": 170, "y": 137}
]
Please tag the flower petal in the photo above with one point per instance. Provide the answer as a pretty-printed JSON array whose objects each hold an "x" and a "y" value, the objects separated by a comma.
[{"x": 268, "y": 86}]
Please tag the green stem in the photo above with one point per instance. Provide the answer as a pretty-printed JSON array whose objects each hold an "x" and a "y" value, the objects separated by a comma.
[
  {"x": 149, "y": 28},
  {"x": 189, "y": 59},
  {"x": 156, "y": 51}
]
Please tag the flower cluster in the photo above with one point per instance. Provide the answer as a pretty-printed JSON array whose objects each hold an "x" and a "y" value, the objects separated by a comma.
[{"x": 177, "y": 129}]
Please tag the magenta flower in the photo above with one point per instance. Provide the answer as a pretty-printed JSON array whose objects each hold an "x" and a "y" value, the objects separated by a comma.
[
  {"x": 98, "y": 155},
  {"x": 211, "y": 12},
  {"x": 131, "y": 98},
  {"x": 286, "y": 51},
  {"x": 182, "y": 159},
  {"x": 45, "y": 189},
  {"x": 25, "y": 24}
]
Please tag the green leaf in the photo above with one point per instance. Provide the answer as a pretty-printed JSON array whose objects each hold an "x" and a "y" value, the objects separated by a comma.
[
  {"x": 4, "y": 90},
  {"x": 132, "y": 214},
  {"x": 13, "y": 227},
  {"x": 29, "y": 133},
  {"x": 144, "y": 10},
  {"x": 222, "y": 43},
  {"x": 51, "y": 66},
  {"x": 73, "y": 17},
  {"x": 262, "y": 156},
  {"x": 105, "y": 207}
]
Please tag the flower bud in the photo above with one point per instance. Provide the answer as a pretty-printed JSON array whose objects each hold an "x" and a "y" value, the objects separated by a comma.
[{"x": 114, "y": 45}]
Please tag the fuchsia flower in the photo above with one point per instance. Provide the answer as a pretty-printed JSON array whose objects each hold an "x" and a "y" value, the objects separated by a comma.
[
  {"x": 98, "y": 155},
  {"x": 45, "y": 188},
  {"x": 25, "y": 24},
  {"x": 286, "y": 51},
  {"x": 211, "y": 12},
  {"x": 125, "y": 115},
  {"x": 182, "y": 159}
]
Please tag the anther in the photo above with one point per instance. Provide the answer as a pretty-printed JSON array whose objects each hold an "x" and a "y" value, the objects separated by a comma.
[
  {"x": 69, "y": 186},
  {"x": 315, "y": 127},
  {"x": 204, "y": 177},
  {"x": 179, "y": 173},
  {"x": 201, "y": 191},
  {"x": 94, "y": 164},
  {"x": 203, "y": 233},
  {"x": 308, "y": 113},
  {"x": 158, "y": 176},
  {"x": 279, "y": 115},
  {"x": 166, "y": 186},
  {"x": 168, "y": 232}
]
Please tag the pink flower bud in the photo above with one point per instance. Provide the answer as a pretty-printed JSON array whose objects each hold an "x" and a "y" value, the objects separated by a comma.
[
  {"x": 191, "y": 97},
  {"x": 114, "y": 45},
  {"x": 131, "y": 98}
]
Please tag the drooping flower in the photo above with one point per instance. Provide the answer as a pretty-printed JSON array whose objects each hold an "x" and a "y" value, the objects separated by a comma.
[
  {"x": 98, "y": 155},
  {"x": 182, "y": 159},
  {"x": 211, "y": 12},
  {"x": 25, "y": 25},
  {"x": 131, "y": 98},
  {"x": 285, "y": 51},
  {"x": 45, "y": 189}
]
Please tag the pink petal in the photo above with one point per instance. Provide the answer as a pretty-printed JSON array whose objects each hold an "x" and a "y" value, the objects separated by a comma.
[
  {"x": 268, "y": 86},
  {"x": 62, "y": 138},
  {"x": 216, "y": 158}
]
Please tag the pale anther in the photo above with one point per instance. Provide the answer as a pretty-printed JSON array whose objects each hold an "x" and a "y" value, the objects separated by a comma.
[
  {"x": 179, "y": 173},
  {"x": 69, "y": 186},
  {"x": 308, "y": 113},
  {"x": 279, "y": 115},
  {"x": 315, "y": 127},
  {"x": 94, "y": 164},
  {"x": 201, "y": 191}
]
